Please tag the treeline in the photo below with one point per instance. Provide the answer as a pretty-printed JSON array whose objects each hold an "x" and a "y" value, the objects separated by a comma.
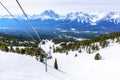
[
  {"x": 16, "y": 42},
  {"x": 22, "y": 47},
  {"x": 33, "y": 51},
  {"x": 4, "y": 47},
  {"x": 91, "y": 45}
]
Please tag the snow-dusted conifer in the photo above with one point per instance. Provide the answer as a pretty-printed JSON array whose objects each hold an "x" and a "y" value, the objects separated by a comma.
[{"x": 55, "y": 64}]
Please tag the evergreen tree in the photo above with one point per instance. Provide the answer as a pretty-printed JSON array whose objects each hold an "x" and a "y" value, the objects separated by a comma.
[
  {"x": 89, "y": 50},
  {"x": 17, "y": 50},
  {"x": 11, "y": 49},
  {"x": 118, "y": 39},
  {"x": 97, "y": 56},
  {"x": 67, "y": 53},
  {"x": 22, "y": 51},
  {"x": 42, "y": 58},
  {"x": 6, "y": 49},
  {"x": 76, "y": 55},
  {"x": 80, "y": 51},
  {"x": 55, "y": 64}
]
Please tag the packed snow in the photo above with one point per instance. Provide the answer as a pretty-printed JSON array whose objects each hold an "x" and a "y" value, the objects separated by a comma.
[
  {"x": 82, "y": 67},
  {"x": 22, "y": 67}
]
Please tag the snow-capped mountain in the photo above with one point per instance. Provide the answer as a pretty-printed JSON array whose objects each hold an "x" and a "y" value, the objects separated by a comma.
[
  {"x": 113, "y": 17},
  {"x": 79, "y": 16},
  {"x": 48, "y": 22},
  {"x": 95, "y": 17},
  {"x": 48, "y": 14},
  {"x": 82, "y": 17}
]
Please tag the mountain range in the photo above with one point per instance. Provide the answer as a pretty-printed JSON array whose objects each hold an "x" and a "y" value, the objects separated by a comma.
[
  {"x": 83, "y": 17},
  {"x": 74, "y": 22}
]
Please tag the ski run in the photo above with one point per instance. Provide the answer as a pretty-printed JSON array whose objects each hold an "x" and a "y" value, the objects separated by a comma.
[{"x": 15, "y": 66}]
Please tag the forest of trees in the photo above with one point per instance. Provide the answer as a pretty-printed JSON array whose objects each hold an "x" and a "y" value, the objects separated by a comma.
[
  {"x": 91, "y": 45},
  {"x": 31, "y": 47}
]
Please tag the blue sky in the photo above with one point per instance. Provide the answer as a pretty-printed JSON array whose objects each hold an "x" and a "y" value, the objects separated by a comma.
[{"x": 61, "y": 6}]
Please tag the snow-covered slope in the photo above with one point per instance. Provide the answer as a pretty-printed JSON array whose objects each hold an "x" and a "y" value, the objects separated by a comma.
[
  {"x": 83, "y": 67},
  {"x": 21, "y": 67}
]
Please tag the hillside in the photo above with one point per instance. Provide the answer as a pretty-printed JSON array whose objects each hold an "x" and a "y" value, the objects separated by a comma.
[
  {"x": 22, "y": 67},
  {"x": 82, "y": 67}
]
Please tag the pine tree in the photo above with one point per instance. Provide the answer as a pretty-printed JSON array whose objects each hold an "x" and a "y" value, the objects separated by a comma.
[
  {"x": 22, "y": 51},
  {"x": 67, "y": 53},
  {"x": 6, "y": 49},
  {"x": 89, "y": 50},
  {"x": 55, "y": 64},
  {"x": 3, "y": 47},
  {"x": 97, "y": 56},
  {"x": 17, "y": 50},
  {"x": 76, "y": 55},
  {"x": 42, "y": 58},
  {"x": 80, "y": 51},
  {"x": 11, "y": 49}
]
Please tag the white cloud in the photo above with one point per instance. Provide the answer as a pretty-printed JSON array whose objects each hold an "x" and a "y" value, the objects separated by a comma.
[{"x": 60, "y": 6}]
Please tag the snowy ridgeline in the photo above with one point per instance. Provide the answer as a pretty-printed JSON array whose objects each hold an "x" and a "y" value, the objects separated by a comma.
[{"x": 83, "y": 67}]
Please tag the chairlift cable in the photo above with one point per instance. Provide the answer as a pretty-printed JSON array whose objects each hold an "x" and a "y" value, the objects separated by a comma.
[
  {"x": 28, "y": 20},
  {"x": 33, "y": 29},
  {"x": 16, "y": 20}
]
